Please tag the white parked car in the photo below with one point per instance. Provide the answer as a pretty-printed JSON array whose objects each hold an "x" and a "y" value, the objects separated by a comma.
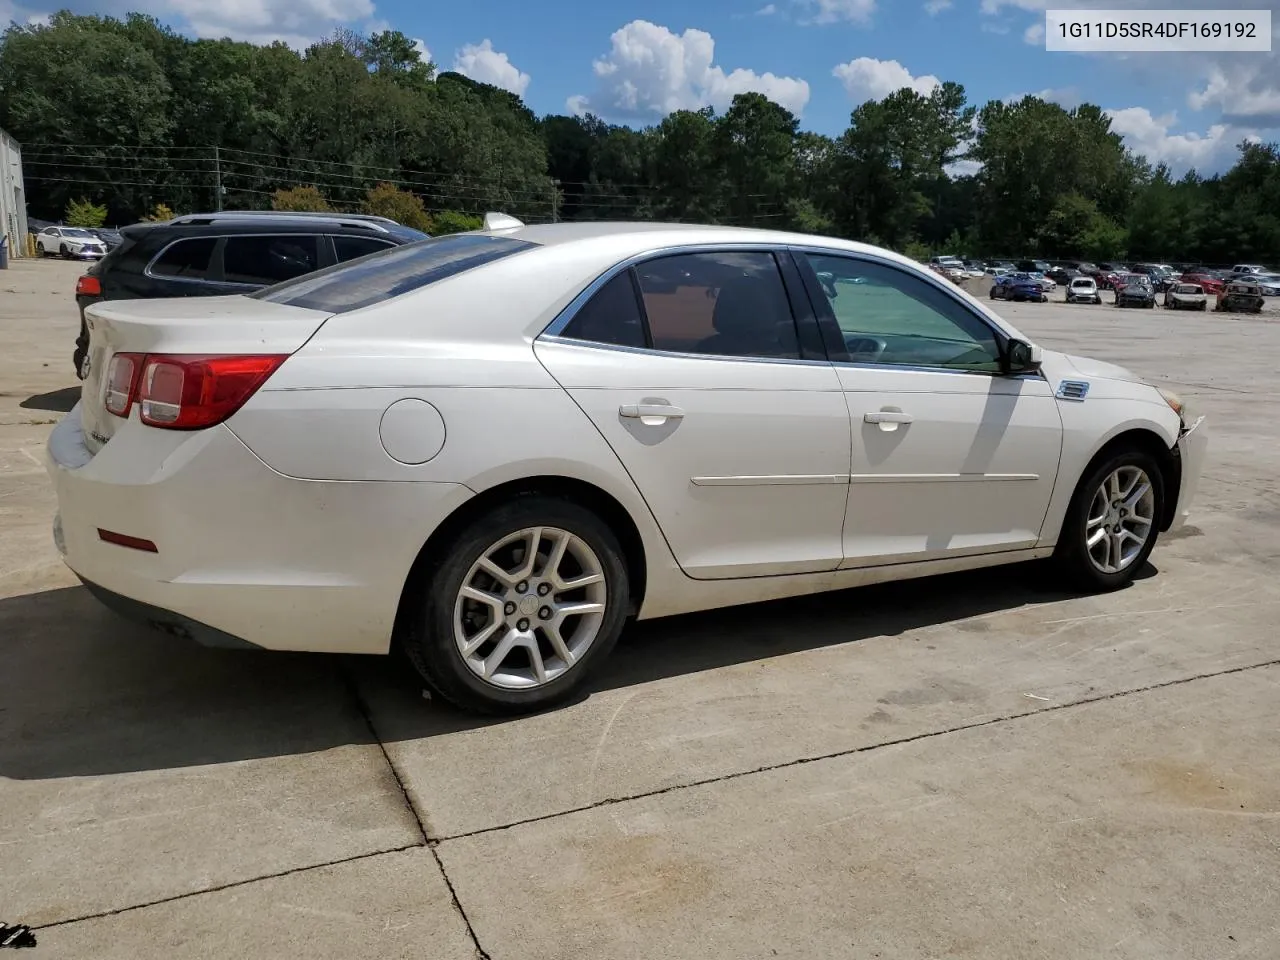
[
  {"x": 1083, "y": 290},
  {"x": 71, "y": 242},
  {"x": 495, "y": 448}
]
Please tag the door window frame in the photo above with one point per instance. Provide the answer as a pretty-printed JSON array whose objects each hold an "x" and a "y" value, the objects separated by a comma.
[
  {"x": 809, "y": 338},
  {"x": 216, "y": 273},
  {"x": 829, "y": 327}
]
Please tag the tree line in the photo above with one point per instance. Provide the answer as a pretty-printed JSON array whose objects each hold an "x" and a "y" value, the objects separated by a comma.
[{"x": 127, "y": 114}]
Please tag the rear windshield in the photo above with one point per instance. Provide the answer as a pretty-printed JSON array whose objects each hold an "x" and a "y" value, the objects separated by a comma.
[{"x": 381, "y": 276}]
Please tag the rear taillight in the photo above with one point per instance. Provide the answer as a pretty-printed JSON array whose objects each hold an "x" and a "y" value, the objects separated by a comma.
[
  {"x": 88, "y": 286},
  {"x": 122, "y": 382},
  {"x": 183, "y": 392}
]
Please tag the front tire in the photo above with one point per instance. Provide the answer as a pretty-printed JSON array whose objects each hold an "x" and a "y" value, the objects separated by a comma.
[
  {"x": 64, "y": 252},
  {"x": 519, "y": 607},
  {"x": 1112, "y": 523}
]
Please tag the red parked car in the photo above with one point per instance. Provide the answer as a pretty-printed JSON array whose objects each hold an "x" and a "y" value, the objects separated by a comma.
[{"x": 1212, "y": 284}]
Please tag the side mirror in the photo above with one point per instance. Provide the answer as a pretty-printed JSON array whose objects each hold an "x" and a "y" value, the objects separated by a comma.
[{"x": 1021, "y": 357}]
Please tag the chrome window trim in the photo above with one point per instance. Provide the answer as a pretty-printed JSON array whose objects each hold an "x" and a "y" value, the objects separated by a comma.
[
  {"x": 651, "y": 352},
  {"x": 553, "y": 332}
]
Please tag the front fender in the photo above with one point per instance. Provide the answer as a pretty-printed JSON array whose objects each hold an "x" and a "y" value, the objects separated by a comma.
[{"x": 1088, "y": 427}]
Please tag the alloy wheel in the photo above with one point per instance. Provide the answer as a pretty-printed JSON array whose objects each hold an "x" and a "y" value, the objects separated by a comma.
[
  {"x": 529, "y": 608},
  {"x": 1121, "y": 519}
]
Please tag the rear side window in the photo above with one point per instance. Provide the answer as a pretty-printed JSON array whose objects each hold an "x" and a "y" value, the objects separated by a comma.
[
  {"x": 266, "y": 259},
  {"x": 186, "y": 258},
  {"x": 348, "y": 248},
  {"x": 351, "y": 286},
  {"x": 612, "y": 316},
  {"x": 723, "y": 304}
]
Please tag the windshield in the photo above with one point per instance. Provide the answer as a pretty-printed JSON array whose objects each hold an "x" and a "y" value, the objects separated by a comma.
[
  {"x": 390, "y": 273},
  {"x": 77, "y": 232}
]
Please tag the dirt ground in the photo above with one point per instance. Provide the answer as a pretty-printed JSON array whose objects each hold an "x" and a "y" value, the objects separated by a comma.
[{"x": 973, "y": 766}]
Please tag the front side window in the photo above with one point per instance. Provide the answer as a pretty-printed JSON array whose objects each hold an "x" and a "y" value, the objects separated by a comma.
[
  {"x": 730, "y": 304},
  {"x": 362, "y": 283},
  {"x": 263, "y": 259},
  {"x": 887, "y": 315},
  {"x": 188, "y": 259}
]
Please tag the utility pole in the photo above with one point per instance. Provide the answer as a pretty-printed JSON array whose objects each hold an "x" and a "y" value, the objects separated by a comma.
[
  {"x": 217, "y": 179},
  {"x": 555, "y": 201}
]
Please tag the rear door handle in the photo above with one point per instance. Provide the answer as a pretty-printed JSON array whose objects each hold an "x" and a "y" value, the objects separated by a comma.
[
  {"x": 650, "y": 411},
  {"x": 887, "y": 416}
]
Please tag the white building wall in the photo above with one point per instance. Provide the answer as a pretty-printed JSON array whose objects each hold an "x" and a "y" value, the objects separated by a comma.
[{"x": 13, "y": 196}]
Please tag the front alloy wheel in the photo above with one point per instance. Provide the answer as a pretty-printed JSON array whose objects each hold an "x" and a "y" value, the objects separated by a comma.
[
  {"x": 1112, "y": 522},
  {"x": 1121, "y": 519}
]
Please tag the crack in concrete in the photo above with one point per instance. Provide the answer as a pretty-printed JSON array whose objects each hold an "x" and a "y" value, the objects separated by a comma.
[
  {"x": 231, "y": 885},
  {"x": 433, "y": 843},
  {"x": 354, "y": 690},
  {"x": 782, "y": 765}
]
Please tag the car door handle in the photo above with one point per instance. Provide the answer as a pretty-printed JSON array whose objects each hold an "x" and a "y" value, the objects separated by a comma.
[
  {"x": 887, "y": 416},
  {"x": 650, "y": 411}
]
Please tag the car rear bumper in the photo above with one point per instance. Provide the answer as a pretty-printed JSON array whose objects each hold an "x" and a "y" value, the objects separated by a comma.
[{"x": 243, "y": 553}]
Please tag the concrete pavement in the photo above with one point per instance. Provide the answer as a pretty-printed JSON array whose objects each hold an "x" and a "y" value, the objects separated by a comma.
[{"x": 974, "y": 766}]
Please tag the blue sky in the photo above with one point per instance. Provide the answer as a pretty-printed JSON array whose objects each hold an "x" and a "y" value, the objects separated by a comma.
[{"x": 632, "y": 60}]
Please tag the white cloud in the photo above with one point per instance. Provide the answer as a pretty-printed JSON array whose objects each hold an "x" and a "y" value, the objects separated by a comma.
[
  {"x": 423, "y": 53},
  {"x": 651, "y": 71},
  {"x": 962, "y": 168},
  {"x": 1150, "y": 136},
  {"x": 935, "y": 7},
  {"x": 768, "y": 10},
  {"x": 1066, "y": 97},
  {"x": 1244, "y": 93},
  {"x": 868, "y": 79},
  {"x": 484, "y": 64},
  {"x": 836, "y": 11},
  {"x": 1034, "y": 34},
  {"x": 297, "y": 22}
]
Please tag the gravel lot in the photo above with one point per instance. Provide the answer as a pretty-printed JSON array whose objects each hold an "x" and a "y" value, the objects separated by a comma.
[{"x": 967, "y": 767}]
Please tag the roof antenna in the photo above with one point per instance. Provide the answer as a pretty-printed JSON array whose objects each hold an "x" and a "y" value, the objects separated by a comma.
[{"x": 501, "y": 221}]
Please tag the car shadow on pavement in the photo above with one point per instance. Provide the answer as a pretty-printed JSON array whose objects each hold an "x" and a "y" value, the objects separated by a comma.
[
  {"x": 59, "y": 401},
  {"x": 87, "y": 693}
]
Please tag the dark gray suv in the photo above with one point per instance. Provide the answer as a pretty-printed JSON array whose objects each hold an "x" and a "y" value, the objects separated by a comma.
[{"x": 214, "y": 254}]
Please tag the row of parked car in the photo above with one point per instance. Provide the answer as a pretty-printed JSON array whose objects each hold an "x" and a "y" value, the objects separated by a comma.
[{"x": 1240, "y": 289}]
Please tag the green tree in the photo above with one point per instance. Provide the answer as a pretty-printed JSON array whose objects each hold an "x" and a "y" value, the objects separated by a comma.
[
  {"x": 454, "y": 221},
  {"x": 891, "y": 163},
  {"x": 754, "y": 144},
  {"x": 300, "y": 200},
  {"x": 690, "y": 185},
  {"x": 388, "y": 200},
  {"x": 83, "y": 213}
]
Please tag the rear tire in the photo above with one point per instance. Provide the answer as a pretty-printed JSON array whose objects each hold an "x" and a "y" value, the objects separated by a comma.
[
  {"x": 454, "y": 637},
  {"x": 1094, "y": 513},
  {"x": 993, "y": 293}
]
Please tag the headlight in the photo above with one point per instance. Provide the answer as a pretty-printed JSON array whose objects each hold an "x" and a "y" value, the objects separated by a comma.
[{"x": 1172, "y": 399}]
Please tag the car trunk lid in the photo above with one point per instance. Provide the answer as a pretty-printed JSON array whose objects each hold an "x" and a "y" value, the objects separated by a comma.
[{"x": 234, "y": 325}]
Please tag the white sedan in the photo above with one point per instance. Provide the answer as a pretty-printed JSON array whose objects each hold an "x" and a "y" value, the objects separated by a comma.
[
  {"x": 71, "y": 242},
  {"x": 496, "y": 448}
]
